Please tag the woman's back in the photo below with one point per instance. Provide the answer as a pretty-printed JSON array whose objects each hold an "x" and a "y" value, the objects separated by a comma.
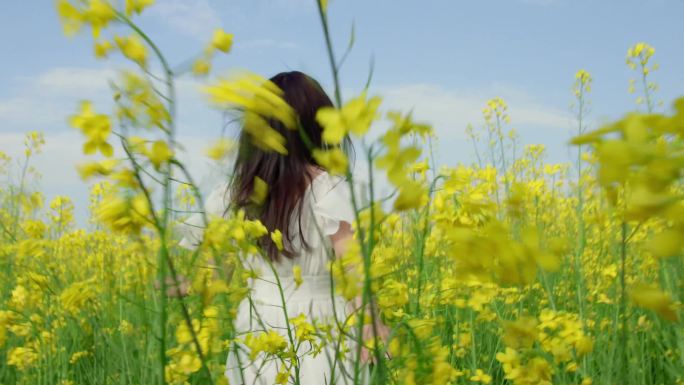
[
  {"x": 326, "y": 202},
  {"x": 277, "y": 295}
]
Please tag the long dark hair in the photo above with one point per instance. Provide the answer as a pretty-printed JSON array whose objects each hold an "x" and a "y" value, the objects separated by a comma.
[{"x": 287, "y": 176}]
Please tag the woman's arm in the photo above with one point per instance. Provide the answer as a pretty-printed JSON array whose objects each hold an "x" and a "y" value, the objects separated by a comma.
[{"x": 340, "y": 241}]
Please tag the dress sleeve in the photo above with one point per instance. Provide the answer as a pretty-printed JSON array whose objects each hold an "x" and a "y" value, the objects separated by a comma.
[
  {"x": 192, "y": 228},
  {"x": 333, "y": 204}
]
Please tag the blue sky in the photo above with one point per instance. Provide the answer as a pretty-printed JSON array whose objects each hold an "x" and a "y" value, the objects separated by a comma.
[{"x": 443, "y": 59}]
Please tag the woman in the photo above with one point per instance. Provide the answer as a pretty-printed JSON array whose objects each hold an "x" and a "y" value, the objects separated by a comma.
[{"x": 312, "y": 209}]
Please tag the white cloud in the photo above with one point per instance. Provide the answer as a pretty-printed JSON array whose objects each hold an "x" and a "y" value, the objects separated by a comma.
[
  {"x": 72, "y": 81},
  {"x": 43, "y": 102},
  {"x": 195, "y": 18},
  {"x": 450, "y": 111}
]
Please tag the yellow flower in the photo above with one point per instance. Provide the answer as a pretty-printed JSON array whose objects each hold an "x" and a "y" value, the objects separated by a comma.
[
  {"x": 133, "y": 48},
  {"x": 411, "y": 195},
  {"x": 277, "y": 238},
  {"x": 99, "y": 14},
  {"x": 183, "y": 332},
  {"x": 667, "y": 243},
  {"x": 96, "y": 127},
  {"x": 537, "y": 371},
  {"x": 19, "y": 295},
  {"x": 268, "y": 342},
  {"x": 102, "y": 168},
  {"x": 334, "y": 129},
  {"x": 347, "y": 270},
  {"x": 583, "y": 81},
  {"x": 34, "y": 229},
  {"x": 124, "y": 214},
  {"x": 159, "y": 153},
  {"x": 252, "y": 93},
  {"x": 304, "y": 330},
  {"x": 33, "y": 142},
  {"x": 77, "y": 295},
  {"x": 201, "y": 67},
  {"x": 642, "y": 52},
  {"x": 481, "y": 376},
  {"x": 221, "y": 149},
  {"x": 77, "y": 356},
  {"x": 583, "y": 76},
  {"x": 520, "y": 333},
  {"x": 262, "y": 134},
  {"x": 584, "y": 345},
  {"x": 221, "y": 40},
  {"x": 63, "y": 209},
  {"x": 644, "y": 203},
  {"x": 102, "y": 49},
  {"x": 72, "y": 19},
  {"x": 138, "y": 104},
  {"x": 189, "y": 363},
  {"x": 137, "y": 6},
  {"x": 259, "y": 99},
  {"x": 495, "y": 108},
  {"x": 422, "y": 327},
  {"x": 297, "y": 275},
  {"x": 125, "y": 327},
  {"x": 392, "y": 296},
  {"x": 356, "y": 117},
  {"x": 283, "y": 376},
  {"x": 420, "y": 168},
  {"x": 334, "y": 160},
  {"x": 22, "y": 357},
  {"x": 510, "y": 360},
  {"x": 652, "y": 298},
  {"x": 259, "y": 191},
  {"x": 360, "y": 113}
]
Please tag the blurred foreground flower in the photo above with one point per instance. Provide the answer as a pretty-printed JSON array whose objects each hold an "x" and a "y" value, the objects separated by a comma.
[{"x": 96, "y": 127}]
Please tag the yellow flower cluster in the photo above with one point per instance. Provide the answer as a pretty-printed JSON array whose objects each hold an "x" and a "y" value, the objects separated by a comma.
[
  {"x": 559, "y": 335},
  {"x": 96, "y": 127},
  {"x": 398, "y": 157},
  {"x": 138, "y": 104},
  {"x": 260, "y": 100},
  {"x": 221, "y": 41},
  {"x": 638, "y": 59},
  {"x": 640, "y": 167},
  {"x": 270, "y": 342}
]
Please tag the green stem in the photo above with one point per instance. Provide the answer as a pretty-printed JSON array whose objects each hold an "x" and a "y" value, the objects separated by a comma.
[
  {"x": 581, "y": 239},
  {"x": 624, "y": 369},
  {"x": 287, "y": 320},
  {"x": 647, "y": 93},
  {"x": 163, "y": 222},
  {"x": 331, "y": 53}
]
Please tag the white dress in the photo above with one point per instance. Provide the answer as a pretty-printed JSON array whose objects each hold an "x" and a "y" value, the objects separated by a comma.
[{"x": 325, "y": 204}]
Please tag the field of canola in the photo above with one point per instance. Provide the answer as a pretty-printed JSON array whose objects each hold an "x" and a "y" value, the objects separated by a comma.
[{"x": 510, "y": 270}]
